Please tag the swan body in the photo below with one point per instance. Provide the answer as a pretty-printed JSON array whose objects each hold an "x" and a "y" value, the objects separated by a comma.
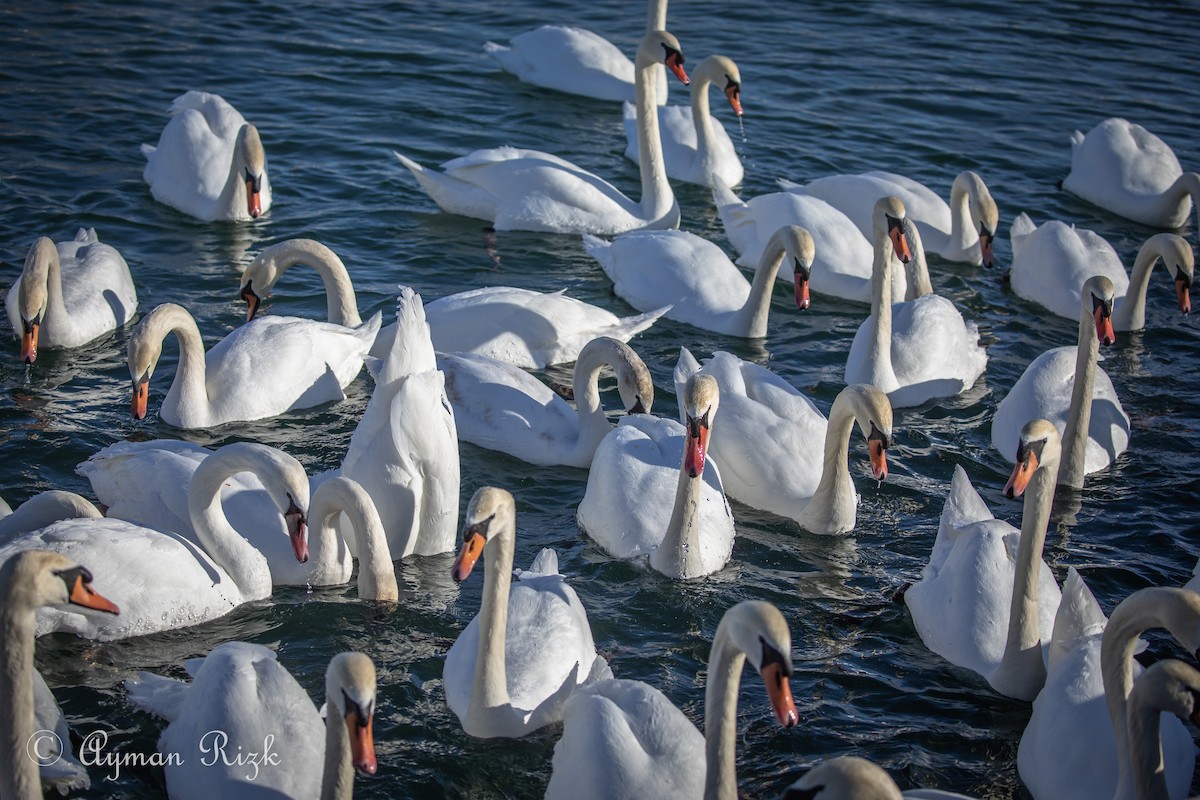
[
  {"x": 503, "y": 408},
  {"x": 624, "y": 738},
  {"x": 512, "y": 668},
  {"x": 166, "y": 581},
  {"x": 209, "y": 162},
  {"x": 241, "y": 699},
  {"x": 697, "y": 281},
  {"x": 69, "y": 294},
  {"x": 914, "y": 351},
  {"x": 765, "y": 442},
  {"x": 259, "y": 370},
  {"x": 986, "y": 600},
  {"x": 1126, "y": 169},
  {"x": 652, "y": 491},
  {"x": 695, "y": 146},
  {"x": 44, "y": 509},
  {"x": 535, "y": 191},
  {"x": 1065, "y": 386}
]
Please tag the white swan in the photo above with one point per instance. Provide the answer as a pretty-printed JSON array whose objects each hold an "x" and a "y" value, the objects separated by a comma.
[
  {"x": 653, "y": 491},
  {"x": 503, "y": 408},
  {"x": 43, "y": 509},
  {"x": 854, "y": 778},
  {"x": 165, "y": 581},
  {"x": 1128, "y": 170},
  {"x": 577, "y": 61},
  {"x": 915, "y": 351},
  {"x": 209, "y": 162},
  {"x": 404, "y": 451},
  {"x": 696, "y": 280},
  {"x": 765, "y": 443},
  {"x": 1051, "y": 262},
  {"x": 242, "y": 700},
  {"x": 28, "y": 580},
  {"x": 69, "y": 294},
  {"x": 1065, "y": 386},
  {"x": 512, "y": 668},
  {"x": 986, "y": 600},
  {"x": 842, "y": 260},
  {"x": 695, "y": 146},
  {"x": 535, "y": 191},
  {"x": 963, "y": 230},
  {"x": 624, "y": 738},
  {"x": 1170, "y": 686},
  {"x": 261, "y": 369}
]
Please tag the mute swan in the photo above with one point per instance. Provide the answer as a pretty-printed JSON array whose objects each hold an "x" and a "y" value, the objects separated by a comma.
[
  {"x": 503, "y": 408},
  {"x": 42, "y": 510},
  {"x": 1051, "y": 262},
  {"x": 166, "y": 581},
  {"x": 404, "y": 450},
  {"x": 577, "y": 61},
  {"x": 841, "y": 265},
  {"x": 854, "y": 778},
  {"x": 69, "y": 294},
  {"x": 915, "y": 351},
  {"x": 961, "y": 231},
  {"x": 1069, "y": 749},
  {"x": 512, "y": 668},
  {"x": 242, "y": 701},
  {"x": 697, "y": 281},
  {"x": 209, "y": 162},
  {"x": 532, "y": 330},
  {"x": 638, "y": 502},
  {"x": 986, "y": 600},
  {"x": 1128, "y": 170},
  {"x": 624, "y": 738},
  {"x": 765, "y": 442},
  {"x": 694, "y": 144},
  {"x": 259, "y": 370},
  {"x": 535, "y": 191},
  {"x": 28, "y": 580},
  {"x": 1065, "y": 386}
]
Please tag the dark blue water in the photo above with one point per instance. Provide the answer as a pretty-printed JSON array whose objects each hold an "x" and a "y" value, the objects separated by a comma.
[{"x": 925, "y": 89}]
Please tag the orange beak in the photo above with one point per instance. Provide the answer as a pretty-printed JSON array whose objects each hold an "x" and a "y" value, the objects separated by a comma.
[
  {"x": 471, "y": 550},
  {"x": 985, "y": 248},
  {"x": 297, "y": 528},
  {"x": 362, "y": 744},
  {"x": 29, "y": 341},
  {"x": 1021, "y": 475},
  {"x": 141, "y": 391},
  {"x": 900, "y": 244},
  {"x": 251, "y": 299},
  {"x": 800, "y": 278},
  {"x": 878, "y": 459},
  {"x": 780, "y": 693},
  {"x": 82, "y": 594},
  {"x": 1104, "y": 328},
  {"x": 674, "y": 62},
  {"x": 734, "y": 93},
  {"x": 697, "y": 446},
  {"x": 253, "y": 201},
  {"x": 1183, "y": 288}
]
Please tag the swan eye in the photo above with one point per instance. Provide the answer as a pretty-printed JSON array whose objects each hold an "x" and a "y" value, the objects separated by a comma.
[
  {"x": 1103, "y": 307},
  {"x": 362, "y": 717},
  {"x": 71, "y": 576},
  {"x": 672, "y": 56},
  {"x": 1025, "y": 448},
  {"x": 801, "y": 269},
  {"x": 255, "y": 181},
  {"x": 772, "y": 656},
  {"x": 696, "y": 423},
  {"x": 877, "y": 435},
  {"x": 1183, "y": 278},
  {"x": 478, "y": 529},
  {"x": 638, "y": 406}
]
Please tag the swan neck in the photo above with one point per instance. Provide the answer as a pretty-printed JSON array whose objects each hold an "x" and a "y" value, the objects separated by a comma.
[
  {"x": 656, "y": 15},
  {"x": 657, "y": 197},
  {"x": 489, "y": 690},
  {"x": 19, "y": 778},
  {"x": 337, "y": 779},
  {"x": 342, "y": 305},
  {"x": 678, "y": 555},
  {"x": 702, "y": 117},
  {"x": 1079, "y": 416},
  {"x": 720, "y": 717},
  {"x": 189, "y": 389},
  {"x": 593, "y": 423},
  {"x": 832, "y": 507},
  {"x": 230, "y": 550},
  {"x": 880, "y": 352},
  {"x": 752, "y": 316},
  {"x": 1146, "y": 756},
  {"x": 962, "y": 232},
  {"x": 1130, "y": 315},
  {"x": 56, "y": 308}
]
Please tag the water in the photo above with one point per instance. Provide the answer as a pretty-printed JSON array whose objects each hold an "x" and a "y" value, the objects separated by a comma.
[{"x": 925, "y": 89}]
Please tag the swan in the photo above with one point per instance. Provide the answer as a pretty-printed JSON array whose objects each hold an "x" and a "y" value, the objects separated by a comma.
[
  {"x": 1051, "y": 262},
  {"x": 28, "y": 580},
  {"x": 532, "y": 330},
  {"x": 637, "y": 502},
  {"x": 963, "y": 231},
  {"x": 1170, "y": 686},
  {"x": 841, "y": 264},
  {"x": 918, "y": 350},
  {"x": 986, "y": 600},
  {"x": 1126, "y": 169},
  {"x": 765, "y": 442},
  {"x": 44, "y": 509},
  {"x": 535, "y": 191},
  {"x": 854, "y": 778},
  {"x": 503, "y": 408},
  {"x": 577, "y": 61},
  {"x": 512, "y": 668},
  {"x": 697, "y": 281},
  {"x": 1065, "y": 386},
  {"x": 242, "y": 700},
  {"x": 69, "y": 294},
  {"x": 695, "y": 146},
  {"x": 167, "y": 582},
  {"x": 209, "y": 162},
  {"x": 259, "y": 370},
  {"x": 404, "y": 450},
  {"x": 624, "y": 738}
]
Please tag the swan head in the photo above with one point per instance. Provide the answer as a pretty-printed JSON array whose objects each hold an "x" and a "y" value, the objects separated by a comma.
[
  {"x": 889, "y": 219},
  {"x": 260, "y": 276},
  {"x": 350, "y": 690},
  {"x": 1039, "y": 447},
  {"x": 33, "y": 578},
  {"x": 1097, "y": 299},
  {"x": 1171, "y": 686},
  {"x": 1177, "y": 255},
  {"x": 285, "y": 479},
  {"x": 144, "y": 349},
  {"x": 253, "y": 166},
  {"x": 661, "y": 47},
  {"x": 844, "y": 778},
  {"x": 758, "y": 629},
  {"x": 722, "y": 71},
  {"x": 984, "y": 213},
  {"x": 799, "y": 246},
  {"x": 492, "y": 512},
  {"x": 33, "y": 294},
  {"x": 873, "y": 412},
  {"x": 701, "y": 396},
  {"x": 634, "y": 383}
]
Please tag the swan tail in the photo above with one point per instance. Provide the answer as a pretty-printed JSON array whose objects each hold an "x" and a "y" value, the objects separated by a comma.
[
  {"x": 963, "y": 507},
  {"x": 601, "y": 671},
  {"x": 597, "y": 248},
  {"x": 157, "y": 695},
  {"x": 1078, "y": 616},
  {"x": 628, "y": 327},
  {"x": 544, "y": 564},
  {"x": 503, "y": 55},
  {"x": 452, "y": 194},
  {"x": 1022, "y": 226},
  {"x": 1076, "y": 140},
  {"x": 412, "y": 349},
  {"x": 789, "y": 186},
  {"x": 685, "y": 368}
]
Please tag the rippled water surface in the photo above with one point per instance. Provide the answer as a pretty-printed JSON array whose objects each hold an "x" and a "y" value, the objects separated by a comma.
[{"x": 926, "y": 89}]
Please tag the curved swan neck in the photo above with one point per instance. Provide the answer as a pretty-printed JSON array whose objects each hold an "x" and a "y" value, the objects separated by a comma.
[
  {"x": 1079, "y": 415},
  {"x": 832, "y": 508},
  {"x": 489, "y": 689},
  {"x": 678, "y": 555},
  {"x": 43, "y": 271},
  {"x": 593, "y": 423},
  {"x": 880, "y": 351},
  {"x": 918, "y": 284},
  {"x": 657, "y": 200},
  {"x": 720, "y": 717},
  {"x": 342, "y": 305},
  {"x": 1131, "y": 314},
  {"x": 376, "y": 574},
  {"x": 189, "y": 386},
  {"x": 967, "y": 188},
  {"x": 752, "y": 316},
  {"x": 1146, "y": 756},
  {"x": 337, "y": 778},
  {"x": 19, "y": 778},
  {"x": 229, "y": 549},
  {"x": 1173, "y": 201}
]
